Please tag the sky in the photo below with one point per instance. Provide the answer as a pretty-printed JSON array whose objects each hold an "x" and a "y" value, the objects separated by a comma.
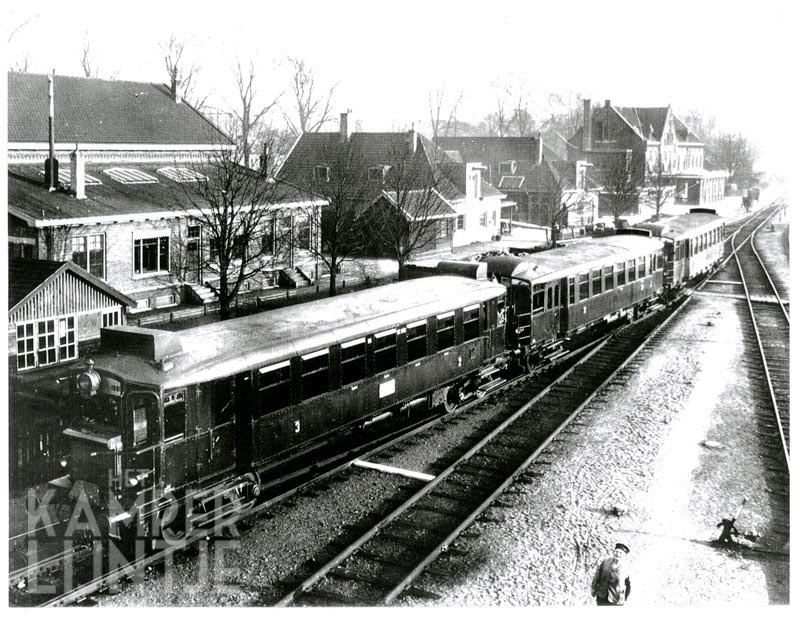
[{"x": 732, "y": 60}]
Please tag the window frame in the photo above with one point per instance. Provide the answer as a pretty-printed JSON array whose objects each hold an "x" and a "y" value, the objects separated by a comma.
[
  {"x": 417, "y": 326},
  {"x": 162, "y": 254},
  {"x": 277, "y": 392}
]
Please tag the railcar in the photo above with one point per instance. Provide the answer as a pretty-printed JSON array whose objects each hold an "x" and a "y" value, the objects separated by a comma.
[
  {"x": 693, "y": 245},
  {"x": 195, "y": 421}
]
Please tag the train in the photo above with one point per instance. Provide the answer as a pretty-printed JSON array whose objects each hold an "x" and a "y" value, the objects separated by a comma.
[{"x": 178, "y": 430}]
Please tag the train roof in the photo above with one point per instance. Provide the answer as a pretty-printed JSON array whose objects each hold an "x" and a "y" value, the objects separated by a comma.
[
  {"x": 573, "y": 258},
  {"x": 683, "y": 226},
  {"x": 224, "y": 348}
]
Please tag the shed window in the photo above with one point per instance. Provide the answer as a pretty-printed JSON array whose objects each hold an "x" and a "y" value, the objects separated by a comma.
[
  {"x": 67, "y": 348},
  {"x": 274, "y": 387},
  {"x": 416, "y": 340},
  {"x": 608, "y": 276},
  {"x": 315, "y": 372},
  {"x": 445, "y": 330},
  {"x": 174, "y": 415},
  {"x": 26, "y": 346},
  {"x": 354, "y": 361},
  {"x": 583, "y": 286},
  {"x": 46, "y": 342},
  {"x": 385, "y": 351},
  {"x": 472, "y": 322},
  {"x": 597, "y": 282}
]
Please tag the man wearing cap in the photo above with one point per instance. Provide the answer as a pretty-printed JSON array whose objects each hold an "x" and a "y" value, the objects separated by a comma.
[{"x": 612, "y": 584}]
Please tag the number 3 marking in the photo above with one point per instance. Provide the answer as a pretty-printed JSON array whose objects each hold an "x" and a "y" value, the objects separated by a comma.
[{"x": 297, "y": 426}]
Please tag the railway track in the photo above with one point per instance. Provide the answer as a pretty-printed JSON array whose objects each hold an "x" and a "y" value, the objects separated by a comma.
[
  {"x": 764, "y": 309},
  {"x": 386, "y": 559}
]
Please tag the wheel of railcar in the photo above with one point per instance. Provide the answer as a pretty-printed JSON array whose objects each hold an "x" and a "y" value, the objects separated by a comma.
[
  {"x": 451, "y": 399},
  {"x": 532, "y": 361}
]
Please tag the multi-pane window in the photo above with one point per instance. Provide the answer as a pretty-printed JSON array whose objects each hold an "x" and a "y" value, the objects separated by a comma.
[
  {"x": 67, "y": 348},
  {"x": 268, "y": 239},
  {"x": 460, "y": 222},
  {"x": 583, "y": 286},
  {"x": 26, "y": 346},
  {"x": 111, "y": 317},
  {"x": 88, "y": 252},
  {"x": 416, "y": 340},
  {"x": 46, "y": 342},
  {"x": 275, "y": 387},
  {"x": 354, "y": 361},
  {"x": 151, "y": 255},
  {"x": 472, "y": 322},
  {"x": 445, "y": 330},
  {"x": 385, "y": 351},
  {"x": 620, "y": 268},
  {"x": 314, "y": 371},
  {"x": 483, "y": 219}
]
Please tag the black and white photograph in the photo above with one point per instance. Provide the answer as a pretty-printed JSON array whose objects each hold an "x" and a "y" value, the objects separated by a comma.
[{"x": 428, "y": 306}]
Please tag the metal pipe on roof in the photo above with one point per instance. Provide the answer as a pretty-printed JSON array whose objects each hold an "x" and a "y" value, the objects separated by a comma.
[{"x": 52, "y": 136}]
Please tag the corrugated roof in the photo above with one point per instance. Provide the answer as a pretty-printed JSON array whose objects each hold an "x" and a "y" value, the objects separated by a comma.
[{"x": 97, "y": 111}]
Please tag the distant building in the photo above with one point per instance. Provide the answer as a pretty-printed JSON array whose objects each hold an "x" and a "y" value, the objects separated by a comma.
[
  {"x": 469, "y": 206},
  {"x": 117, "y": 205}
]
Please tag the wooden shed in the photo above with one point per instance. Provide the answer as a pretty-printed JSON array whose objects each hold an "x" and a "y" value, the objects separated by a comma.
[{"x": 54, "y": 307}]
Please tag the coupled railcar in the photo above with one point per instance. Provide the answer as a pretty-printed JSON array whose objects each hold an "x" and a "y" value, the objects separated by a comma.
[
  {"x": 210, "y": 410},
  {"x": 693, "y": 245},
  {"x": 558, "y": 293}
]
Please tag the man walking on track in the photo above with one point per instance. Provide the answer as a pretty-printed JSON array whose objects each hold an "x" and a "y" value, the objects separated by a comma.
[{"x": 612, "y": 583}]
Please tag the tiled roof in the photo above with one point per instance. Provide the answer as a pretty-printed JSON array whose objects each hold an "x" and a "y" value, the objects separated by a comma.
[
  {"x": 422, "y": 205},
  {"x": 25, "y": 276},
  {"x": 96, "y": 111},
  {"x": 647, "y": 121},
  {"x": 492, "y": 150},
  {"x": 29, "y": 199},
  {"x": 684, "y": 132}
]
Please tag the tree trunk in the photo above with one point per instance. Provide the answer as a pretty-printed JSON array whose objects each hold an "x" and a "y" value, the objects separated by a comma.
[
  {"x": 332, "y": 283},
  {"x": 224, "y": 299},
  {"x": 401, "y": 269}
]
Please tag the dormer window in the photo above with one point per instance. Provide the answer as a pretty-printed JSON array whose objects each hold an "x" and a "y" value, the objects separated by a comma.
[
  {"x": 508, "y": 168},
  {"x": 322, "y": 172},
  {"x": 377, "y": 173}
]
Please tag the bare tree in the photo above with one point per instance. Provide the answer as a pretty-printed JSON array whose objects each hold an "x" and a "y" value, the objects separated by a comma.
[
  {"x": 561, "y": 196},
  {"x": 180, "y": 71},
  {"x": 233, "y": 205},
  {"x": 622, "y": 179},
  {"x": 311, "y": 108},
  {"x": 339, "y": 180},
  {"x": 87, "y": 62},
  {"x": 439, "y": 125},
  {"x": 659, "y": 187},
  {"x": 409, "y": 214},
  {"x": 248, "y": 114},
  {"x": 735, "y": 154},
  {"x": 521, "y": 117}
]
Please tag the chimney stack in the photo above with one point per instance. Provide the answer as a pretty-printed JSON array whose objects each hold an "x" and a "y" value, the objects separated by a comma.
[
  {"x": 412, "y": 141},
  {"x": 539, "y": 148},
  {"x": 344, "y": 129},
  {"x": 608, "y": 102},
  {"x": 176, "y": 84},
  {"x": 51, "y": 165},
  {"x": 77, "y": 173},
  {"x": 587, "y": 125}
]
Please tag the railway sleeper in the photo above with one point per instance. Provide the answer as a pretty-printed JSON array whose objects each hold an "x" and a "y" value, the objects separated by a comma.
[
  {"x": 481, "y": 471},
  {"x": 416, "y": 525},
  {"x": 437, "y": 510}
]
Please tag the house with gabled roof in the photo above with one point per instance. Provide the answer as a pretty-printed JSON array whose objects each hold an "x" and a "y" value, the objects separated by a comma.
[
  {"x": 660, "y": 147},
  {"x": 113, "y": 196},
  {"x": 465, "y": 207},
  {"x": 532, "y": 177}
]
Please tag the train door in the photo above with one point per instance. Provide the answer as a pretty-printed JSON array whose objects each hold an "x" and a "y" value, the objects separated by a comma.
[
  {"x": 520, "y": 309},
  {"x": 669, "y": 263},
  {"x": 242, "y": 425},
  {"x": 180, "y": 451},
  {"x": 566, "y": 298}
]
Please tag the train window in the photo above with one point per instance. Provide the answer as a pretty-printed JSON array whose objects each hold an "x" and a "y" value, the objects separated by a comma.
[
  {"x": 416, "y": 340},
  {"x": 274, "y": 387},
  {"x": 219, "y": 398},
  {"x": 537, "y": 298},
  {"x": 174, "y": 415},
  {"x": 641, "y": 270},
  {"x": 385, "y": 351},
  {"x": 549, "y": 303},
  {"x": 144, "y": 417},
  {"x": 583, "y": 286},
  {"x": 597, "y": 281},
  {"x": 631, "y": 270},
  {"x": 354, "y": 361},
  {"x": 608, "y": 277},
  {"x": 659, "y": 261},
  {"x": 501, "y": 311},
  {"x": 472, "y": 322},
  {"x": 620, "y": 268},
  {"x": 315, "y": 374},
  {"x": 571, "y": 286},
  {"x": 445, "y": 330}
]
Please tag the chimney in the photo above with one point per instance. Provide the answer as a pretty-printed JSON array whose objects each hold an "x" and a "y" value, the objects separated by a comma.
[
  {"x": 263, "y": 160},
  {"x": 608, "y": 102},
  {"x": 412, "y": 141},
  {"x": 538, "y": 148},
  {"x": 77, "y": 173},
  {"x": 51, "y": 179},
  {"x": 587, "y": 125},
  {"x": 344, "y": 130},
  {"x": 176, "y": 84}
]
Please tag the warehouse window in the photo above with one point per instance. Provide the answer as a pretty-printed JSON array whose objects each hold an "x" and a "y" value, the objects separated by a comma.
[
  {"x": 274, "y": 387},
  {"x": 472, "y": 322},
  {"x": 608, "y": 276},
  {"x": 46, "y": 342},
  {"x": 620, "y": 268},
  {"x": 354, "y": 361},
  {"x": 445, "y": 330},
  {"x": 151, "y": 255},
  {"x": 583, "y": 286},
  {"x": 597, "y": 282},
  {"x": 314, "y": 372},
  {"x": 385, "y": 351},
  {"x": 416, "y": 340}
]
